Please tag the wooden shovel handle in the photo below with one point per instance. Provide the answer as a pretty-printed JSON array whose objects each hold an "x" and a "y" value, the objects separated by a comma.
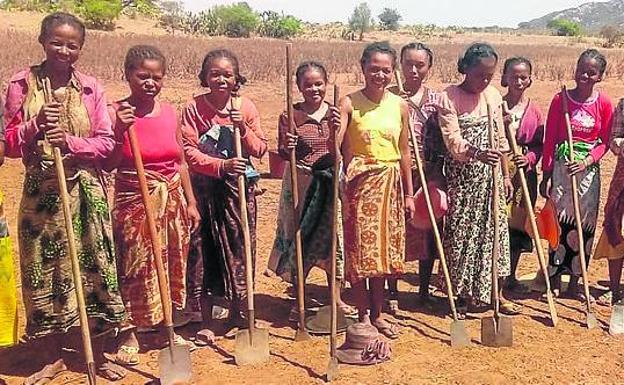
[
  {"x": 575, "y": 199},
  {"x": 495, "y": 213},
  {"x": 163, "y": 282},
  {"x": 73, "y": 252},
  {"x": 334, "y": 244}
]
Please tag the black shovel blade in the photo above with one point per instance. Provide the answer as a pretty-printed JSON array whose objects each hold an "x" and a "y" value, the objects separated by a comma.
[{"x": 459, "y": 335}]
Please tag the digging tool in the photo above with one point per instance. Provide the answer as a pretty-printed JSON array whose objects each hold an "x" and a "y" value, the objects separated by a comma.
[
  {"x": 531, "y": 214},
  {"x": 174, "y": 361},
  {"x": 50, "y": 95},
  {"x": 616, "y": 323},
  {"x": 332, "y": 366},
  {"x": 590, "y": 318},
  {"x": 459, "y": 335},
  {"x": 302, "y": 333},
  {"x": 496, "y": 331},
  {"x": 251, "y": 345}
]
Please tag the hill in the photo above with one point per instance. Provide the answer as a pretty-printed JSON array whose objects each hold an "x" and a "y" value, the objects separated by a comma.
[{"x": 592, "y": 16}]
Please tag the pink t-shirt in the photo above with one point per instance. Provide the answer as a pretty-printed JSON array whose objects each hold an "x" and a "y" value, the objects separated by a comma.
[
  {"x": 160, "y": 149},
  {"x": 590, "y": 121}
]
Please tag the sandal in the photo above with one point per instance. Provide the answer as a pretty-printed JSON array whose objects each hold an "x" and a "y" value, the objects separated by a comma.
[
  {"x": 204, "y": 337},
  {"x": 47, "y": 374},
  {"x": 390, "y": 330},
  {"x": 127, "y": 356},
  {"x": 348, "y": 310},
  {"x": 180, "y": 341},
  {"x": 510, "y": 308},
  {"x": 606, "y": 299},
  {"x": 393, "y": 306},
  {"x": 111, "y": 371}
]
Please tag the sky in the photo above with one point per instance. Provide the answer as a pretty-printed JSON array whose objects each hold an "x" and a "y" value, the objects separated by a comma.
[{"x": 469, "y": 13}]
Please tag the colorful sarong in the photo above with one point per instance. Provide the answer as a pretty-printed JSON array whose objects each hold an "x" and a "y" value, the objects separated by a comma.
[{"x": 8, "y": 288}]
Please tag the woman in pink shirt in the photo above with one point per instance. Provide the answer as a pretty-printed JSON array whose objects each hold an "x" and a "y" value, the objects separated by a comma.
[
  {"x": 169, "y": 186},
  {"x": 591, "y": 114},
  {"x": 53, "y": 105},
  {"x": 217, "y": 256}
]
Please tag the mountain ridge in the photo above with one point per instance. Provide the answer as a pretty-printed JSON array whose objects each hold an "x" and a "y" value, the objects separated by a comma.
[{"x": 592, "y": 16}]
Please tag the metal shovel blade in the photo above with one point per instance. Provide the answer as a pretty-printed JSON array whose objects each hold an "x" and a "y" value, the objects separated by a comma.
[
  {"x": 246, "y": 353},
  {"x": 495, "y": 333},
  {"x": 302, "y": 335},
  {"x": 616, "y": 324},
  {"x": 591, "y": 321},
  {"x": 459, "y": 335},
  {"x": 174, "y": 364},
  {"x": 332, "y": 369}
]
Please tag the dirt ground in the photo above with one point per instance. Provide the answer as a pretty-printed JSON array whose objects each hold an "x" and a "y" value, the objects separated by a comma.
[{"x": 568, "y": 354}]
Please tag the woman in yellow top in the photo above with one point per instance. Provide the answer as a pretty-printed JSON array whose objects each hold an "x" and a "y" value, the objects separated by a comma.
[{"x": 374, "y": 140}]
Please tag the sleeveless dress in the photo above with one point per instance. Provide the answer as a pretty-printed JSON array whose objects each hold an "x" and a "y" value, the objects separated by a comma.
[{"x": 373, "y": 206}]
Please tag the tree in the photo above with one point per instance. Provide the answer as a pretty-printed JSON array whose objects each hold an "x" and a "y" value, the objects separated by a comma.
[
  {"x": 614, "y": 36},
  {"x": 361, "y": 20},
  {"x": 389, "y": 19},
  {"x": 279, "y": 26},
  {"x": 100, "y": 14},
  {"x": 236, "y": 20},
  {"x": 563, "y": 27}
]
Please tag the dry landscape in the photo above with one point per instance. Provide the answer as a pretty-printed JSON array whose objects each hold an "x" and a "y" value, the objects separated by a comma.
[{"x": 569, "y": 354}]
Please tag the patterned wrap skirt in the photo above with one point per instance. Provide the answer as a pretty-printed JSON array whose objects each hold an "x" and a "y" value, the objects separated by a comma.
[
  {"x": 373, "y": 220},
  {"x": 135, "y": 256},
  {"x": 468, "y": 228},
  {"x": 565, "y": 259},
  {"x": 47, "y": 281},
  {"x": 8, "y": 293}
]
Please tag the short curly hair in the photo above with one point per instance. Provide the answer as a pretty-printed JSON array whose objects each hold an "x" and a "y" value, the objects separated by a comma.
[{"x": 137, "y": 54}]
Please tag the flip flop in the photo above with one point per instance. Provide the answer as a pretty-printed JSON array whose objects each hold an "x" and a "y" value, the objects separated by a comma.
[
  {"x": 349, "y": 311},
  {"x": 205, "y": 337},
  {"x": 393, "y": 306},
  {"x": 179, "y": 340},
  {"x": 127, "y": 356},
  {"x": 389, "y": 330},
  {"x": 106, "y": 368},
  {"x": 510, "y": 308}
]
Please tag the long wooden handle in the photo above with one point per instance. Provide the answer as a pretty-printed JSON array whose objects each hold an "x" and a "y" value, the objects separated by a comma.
[
  {"x": 73, "y": 253},
  {"x": 495, "y": 213},
  {"x": 334, "y": 244},
  {"x": 432, "y": 219},
  {"x": 242, "y": 201},
  {"x": 295, "y": 192},
  {"x": 163, "y": 280},
  {"x": 541, "y": 258},
  {"x": 575, "y": 199}
]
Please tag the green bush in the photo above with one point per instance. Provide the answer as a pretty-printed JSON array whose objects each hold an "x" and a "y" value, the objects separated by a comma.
[
  {"x": 100, "y": 14},
  {"x": 563, "y": 27},
  {"x": 236, "y": 20},
  {"x": 279, "y": 26}
]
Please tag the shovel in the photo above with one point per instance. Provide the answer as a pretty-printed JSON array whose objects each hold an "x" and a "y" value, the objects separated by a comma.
[
  {"x": 71, "y": 245},
  {"x": 301, "y": 334},
  {"x": 496, "y": 331},
  {"x": 459, "y": 335},
  {"x": 332, "y": 366},
  {"x": 590, "y": 318},
  {"x": 251, "y": 346},
  {"x": 616, "y": 324},
  {"x": 174, "y": 361},
  {"x": 531, "y": 214}
]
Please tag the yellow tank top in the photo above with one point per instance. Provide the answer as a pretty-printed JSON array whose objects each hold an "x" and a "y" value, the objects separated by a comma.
[{"x": 375, "y": 129}]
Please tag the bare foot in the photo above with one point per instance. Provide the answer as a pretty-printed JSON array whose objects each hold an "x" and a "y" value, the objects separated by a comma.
[
  {"x": 47, "y": 374},
  {"x": 386, "y": 328}
]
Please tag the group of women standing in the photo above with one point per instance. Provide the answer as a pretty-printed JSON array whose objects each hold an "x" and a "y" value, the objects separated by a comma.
[{"x": 192, "y": 167}]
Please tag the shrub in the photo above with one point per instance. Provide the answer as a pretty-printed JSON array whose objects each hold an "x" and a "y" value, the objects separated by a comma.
[
  {"x": 236, "y": 20},
  {"x": 563, "y": 27},
  {"x": 614, "y": 36},
  {"x": 279, "y": 26},
  {"x": 389, "y": 19},
  {"x": 100, "y": 14}
]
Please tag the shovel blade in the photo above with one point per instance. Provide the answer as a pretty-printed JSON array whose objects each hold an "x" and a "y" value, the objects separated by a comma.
[
  {"x": 591, "y": 321},
  {"x": 459, "y": 335},
  {"x": 497, "y": 333},
  {"x": 174, "y": 364},
  {"x": 616, "y": 324},
  {"x": 302, "y": 335},
  {"x": 332, "y": 369},
  {"x": 256, "y": 352}
]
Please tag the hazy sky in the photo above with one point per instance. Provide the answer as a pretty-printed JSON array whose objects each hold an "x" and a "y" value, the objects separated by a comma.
[{"x": 476, "y": 13}]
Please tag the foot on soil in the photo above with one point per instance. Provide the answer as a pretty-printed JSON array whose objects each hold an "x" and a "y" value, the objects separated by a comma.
[
  {"x": 510, "y": 308},
  {"x": 348, "y": 310},
  {"x": 111, "y": 371},
  {"x": 47, "y": 374},
  {"x": 386, "y": 328},
  {"x": 393, "y": 306},
  {"x": 205, "y": 337},
  {"x": 127, "y": 355}
]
